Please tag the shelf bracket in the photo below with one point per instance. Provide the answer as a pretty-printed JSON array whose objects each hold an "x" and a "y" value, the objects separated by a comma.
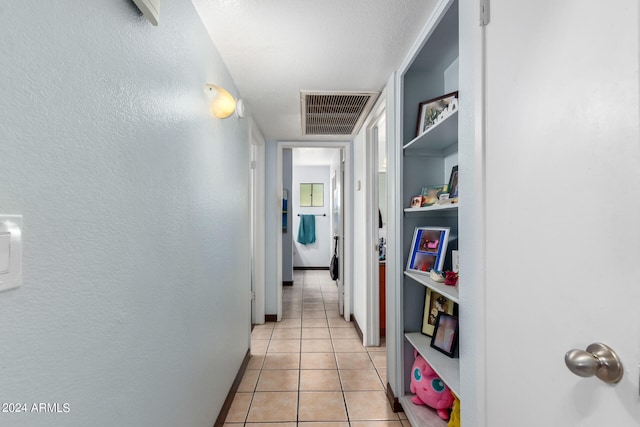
[{"x": 485, "y": 13}]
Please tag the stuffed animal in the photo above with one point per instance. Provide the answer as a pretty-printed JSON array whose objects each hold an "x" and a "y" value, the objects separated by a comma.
[
  {"x": 454, "y": 421},
  {"x": 430, "y": 390}
]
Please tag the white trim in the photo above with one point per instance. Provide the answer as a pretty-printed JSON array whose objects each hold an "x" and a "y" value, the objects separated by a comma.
[
  {"x": 258, "y": 224},
  {"x": 472, "y": 214},
  {"x": 348, "y": 217},
  {"x": 395, "y": 264},
  {"x": 372, "y": 303}
]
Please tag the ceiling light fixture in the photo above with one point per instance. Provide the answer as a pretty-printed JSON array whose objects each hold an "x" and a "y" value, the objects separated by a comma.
[{"x": 221, "y": 103}]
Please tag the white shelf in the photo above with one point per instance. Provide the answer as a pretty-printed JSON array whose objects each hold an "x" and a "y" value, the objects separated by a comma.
[
  {"x": 440, "y": 139},
  {"x": 448, "y": 369},
  {"x": 420, "y": 415},
  {"x": 451, "y": 292},
  {"x": 449, "y": 209}
]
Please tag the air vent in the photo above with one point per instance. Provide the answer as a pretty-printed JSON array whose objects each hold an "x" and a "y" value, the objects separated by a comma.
[{"x": 335, "y": 113}]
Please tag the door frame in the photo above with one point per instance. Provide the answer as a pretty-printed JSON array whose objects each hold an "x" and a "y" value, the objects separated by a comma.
[
  {"x": 257, "y": 224},
  {"x": 372, "y": 288},
  {"x": 472, "y": 213},
  {"x": 347, "y": 261}
]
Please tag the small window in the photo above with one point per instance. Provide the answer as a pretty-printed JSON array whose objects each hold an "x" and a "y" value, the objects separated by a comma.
[{"x": 311, "y": 195}]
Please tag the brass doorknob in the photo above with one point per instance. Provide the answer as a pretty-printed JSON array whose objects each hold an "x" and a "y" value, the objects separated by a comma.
[{"x": 598, "y": 359}]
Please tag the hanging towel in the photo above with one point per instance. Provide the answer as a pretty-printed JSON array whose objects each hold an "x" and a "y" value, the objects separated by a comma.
[{"x": 307, "y": 229}]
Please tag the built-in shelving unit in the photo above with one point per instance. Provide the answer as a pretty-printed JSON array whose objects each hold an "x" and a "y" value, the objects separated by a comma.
[
  {"x": 447, "y": 209},
  {"x": 444, "y": 366},
  {"x": 450, "y": 292},
  {"x": 421, "y": 415},
  {"x": 426, "y": 160},
  {"x": 438, "y": 140}
]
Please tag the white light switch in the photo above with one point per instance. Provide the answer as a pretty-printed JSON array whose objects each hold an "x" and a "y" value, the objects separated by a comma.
[{"x": 10, "y": 251}]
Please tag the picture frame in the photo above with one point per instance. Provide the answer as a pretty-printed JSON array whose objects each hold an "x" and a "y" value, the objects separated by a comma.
[
  {"x": 431, "y": 194},
  {"x": 445, "y": 334},
  {"x": 434, "y": 303},
  {"x": 433, "y": 111},
  {"x": 428, "y": 249},
  {"x": 453, "y": 183},
  {"x": 416, "y": 201}
]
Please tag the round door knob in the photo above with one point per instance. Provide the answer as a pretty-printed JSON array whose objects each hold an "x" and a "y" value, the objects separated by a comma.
[{"x": 598, "y": 359}]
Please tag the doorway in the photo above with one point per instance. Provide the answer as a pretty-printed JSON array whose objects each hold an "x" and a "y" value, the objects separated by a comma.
[
  {"x": 344, "y": 213},
  {"x": 376, "y": 238}
]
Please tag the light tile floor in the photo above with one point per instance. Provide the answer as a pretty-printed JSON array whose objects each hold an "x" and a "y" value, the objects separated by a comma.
[{"x": 310, "y": 369}]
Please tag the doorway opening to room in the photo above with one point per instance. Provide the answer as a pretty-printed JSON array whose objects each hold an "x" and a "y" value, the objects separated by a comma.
[
  {"x": 376, "y": 236},
  {"x": 316, "y": 215}
]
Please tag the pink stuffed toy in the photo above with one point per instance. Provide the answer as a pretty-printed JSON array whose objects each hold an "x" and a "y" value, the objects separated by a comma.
[{"x": 429, "y": 388}]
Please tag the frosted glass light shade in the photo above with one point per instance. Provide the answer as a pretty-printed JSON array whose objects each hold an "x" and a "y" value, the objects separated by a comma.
[{"x": 221, "y": 103}]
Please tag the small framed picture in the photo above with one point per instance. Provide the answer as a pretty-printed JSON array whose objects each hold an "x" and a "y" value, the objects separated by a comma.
[
  {"x": 433, "y": 111},
  {"x": 445, "y": 335},
  {"x": 416, "y": 201},
  {"x": 431, "y": 194},
  {"x": 453, "y": 183},
  {"x": 434, "y": 303},
  {"x": 428, "y": 249}
]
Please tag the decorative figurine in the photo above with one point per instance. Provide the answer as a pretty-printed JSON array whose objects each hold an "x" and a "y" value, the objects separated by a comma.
[{"x": 430, "y": 390}]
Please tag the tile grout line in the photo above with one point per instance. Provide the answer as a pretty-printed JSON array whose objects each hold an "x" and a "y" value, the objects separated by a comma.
[{"x": 324, "y": 296}]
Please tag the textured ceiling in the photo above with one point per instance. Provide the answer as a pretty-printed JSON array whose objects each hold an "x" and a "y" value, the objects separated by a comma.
[{"x": 276, "y": 48}]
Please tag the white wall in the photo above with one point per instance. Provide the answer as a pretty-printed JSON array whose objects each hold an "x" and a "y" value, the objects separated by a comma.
[
  {"x": 317, "y": 254},
  {"x": 135, "y": 303}
]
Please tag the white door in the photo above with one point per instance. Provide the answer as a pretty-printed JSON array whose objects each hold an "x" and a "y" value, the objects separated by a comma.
[
  {"x": 338, "y": 227},
  {"x": 562, "y": 209}
]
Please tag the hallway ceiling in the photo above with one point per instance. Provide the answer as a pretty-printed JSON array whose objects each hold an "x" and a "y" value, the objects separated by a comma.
[{"x": 276, "y": 48}]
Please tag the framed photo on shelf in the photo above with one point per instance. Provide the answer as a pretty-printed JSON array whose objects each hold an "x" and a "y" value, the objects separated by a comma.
[
  {"x": 416, "y": 201},
  {"x": 434, "y": 303},
  {"x": 428, "y": 249},
  {"x": 453, "y": 183},
  {"x": 445, "y": 335},
  {"x": 431, "y": 194},
  {"x": 433, "y": 111}
]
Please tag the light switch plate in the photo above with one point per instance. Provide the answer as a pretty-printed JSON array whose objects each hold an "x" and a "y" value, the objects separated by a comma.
[
  {"x": 10, "y": 251},
  {"x": 5, "y": 246}
]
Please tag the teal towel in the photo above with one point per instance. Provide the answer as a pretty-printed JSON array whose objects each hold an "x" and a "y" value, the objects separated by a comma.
[{"x": 307, "y": 229}]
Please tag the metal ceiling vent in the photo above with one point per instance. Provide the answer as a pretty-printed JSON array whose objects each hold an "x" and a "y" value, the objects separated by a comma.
[{"x": 335, "y": 113}]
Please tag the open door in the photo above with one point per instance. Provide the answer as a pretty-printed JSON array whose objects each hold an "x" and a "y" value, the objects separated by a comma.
[{"x": 562, "y": 210}]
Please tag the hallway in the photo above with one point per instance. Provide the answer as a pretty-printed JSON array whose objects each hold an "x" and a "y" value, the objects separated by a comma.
[{"x": 311, "y": 369}]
